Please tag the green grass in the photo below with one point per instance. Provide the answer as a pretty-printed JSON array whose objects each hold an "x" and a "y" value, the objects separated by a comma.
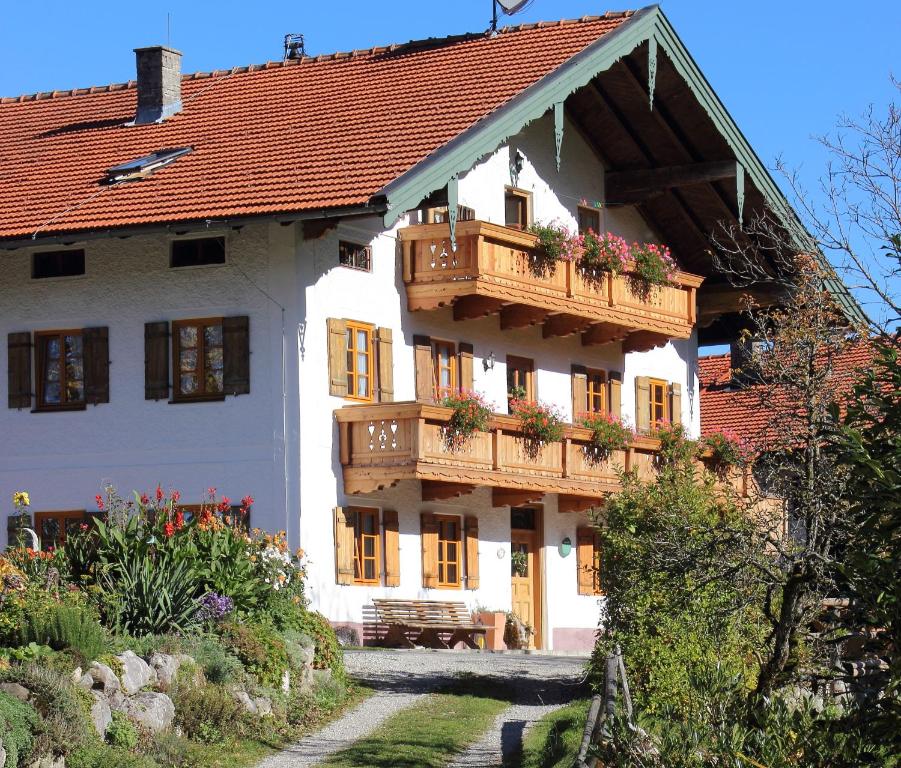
[
  {"x": 553, "y": 741},
  {"x": 426, "y": 735}
]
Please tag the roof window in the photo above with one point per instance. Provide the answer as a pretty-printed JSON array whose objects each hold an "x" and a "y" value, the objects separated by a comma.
[{"x": 143, "y": 166}]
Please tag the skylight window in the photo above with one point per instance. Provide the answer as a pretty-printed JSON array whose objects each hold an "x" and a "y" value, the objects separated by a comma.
[{"x": 143, "y": 166}]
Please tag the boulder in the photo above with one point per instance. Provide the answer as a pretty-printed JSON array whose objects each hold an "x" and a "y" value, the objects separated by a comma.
[
  {"x": 243, "y": 698},
  {"x": 15, "y": 690},
  {"x": 153, "y": 711},
  {"x": 103, "y": 678},
  {"x": 76, "y": 674},
  {"x": 101, "y": 715},
  {"x": 286, "y": 681},
  {"x": 166, "y": 669},
  {"x": 48, "y": 761},
  {"x": 86, "y": 681},
  {"x": 136, "y": 673}
]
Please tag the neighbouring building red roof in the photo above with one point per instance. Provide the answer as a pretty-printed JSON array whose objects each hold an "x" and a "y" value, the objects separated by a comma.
[
  {"x": 739, "y": 409},
  {"x": 301, "y": 135}
]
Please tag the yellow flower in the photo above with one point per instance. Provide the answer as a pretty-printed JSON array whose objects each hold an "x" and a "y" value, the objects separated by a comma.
[{"x": 20, "y": 499}]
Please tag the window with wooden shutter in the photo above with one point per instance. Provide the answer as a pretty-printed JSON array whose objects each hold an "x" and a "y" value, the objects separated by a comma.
[
  {"x": 385, "y": 365},
  {"x": 444, "y": 363},
  {"x": 520, "y": 379},
  {"x": 198, "y": 359},
  {"x": 659, "y": 400},
  {"x": 429, "y": 536},
  {"x": 472, "y": 552},
  {"x": 18, "y": 349},
  {"x": 156, "y": 361},
  {"x": 580, "y": 390},
  {"x": 466, "y": 373},
  {"x": 236, "y": 355},
  {"x": 589, "y": 220},
  {"x": 337, "y": 356},
  {"x": 367, "y": 546},
  {"x": 517, "y": 208},
  {"x": 675, "y": 403},
  {"x": 425, "y": 372},
  {"x": 642, "y": 404},
  {"x": 596, "y": 391},
  {"x": 60, "y": 369},
  {"x": 450, "y": 552},
  {"x": 588, "y": 560},
  {"x": 53, "y": 527},
  {"x": 360, "y": 361},
  {"x": 616, "y": 393},
  {"x": 344, "y": 545},
  {"x": 96, "y": 365},
  {"x": 392, "y": 547}
]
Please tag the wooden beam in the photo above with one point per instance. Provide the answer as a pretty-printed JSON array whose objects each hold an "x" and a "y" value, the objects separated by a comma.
[
  {"x": 472, "y": 307},
  {"x": 508, "y": 497},
  {"x": 577, "y": 503},
  {"x": 642, "y": 341},
  {"x": 433, "y": 490},
  {"x": 521, "y": 316},
  {"x": 563, "y": 325},
  {"x": 727, "y": 299},
  {"x": 636, "y": 186},
  {"x": 603, "y": 333}
]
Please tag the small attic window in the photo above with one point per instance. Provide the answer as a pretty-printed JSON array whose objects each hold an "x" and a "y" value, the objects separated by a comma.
[{"x": 138, "y": 169}]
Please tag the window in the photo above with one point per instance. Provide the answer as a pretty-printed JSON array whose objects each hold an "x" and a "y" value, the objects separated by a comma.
[
  {"x": 520, "y": 378},
  {"x": 60, "y": 369},
  {"x": 516, "y": 208},
  {"x": 449, "y": 549},
  {"x": 57, "y": 264},
  {"x": 596, "y": 400},
  {"x": 367, "y": 558},
  {"x": 354, "y": 256},
  {"x": 589, "y": 218},
  {"x": 439, "y": 215},
  {"x": 52, "y": 527},
  {"x": 359, "y": 361},
  {"x": 198, "y": 359},
  {"x": 197, "y": 252},
  {"x": 659, "y": 402},
  {"x": 444, "y": 360}
]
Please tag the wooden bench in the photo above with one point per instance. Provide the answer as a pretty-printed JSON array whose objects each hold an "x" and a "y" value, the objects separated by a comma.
[{"x": 430, "y": 619}]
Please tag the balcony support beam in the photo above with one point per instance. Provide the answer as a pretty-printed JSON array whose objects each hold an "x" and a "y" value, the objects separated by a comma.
[
  {"x": 563, "y": 325},
  {"x": 473, "y": 306},
  {"x": 603, "y": 333},
  {"x": 437, "y": 491},
  {"x": 643, "y": 341},
  {"x": 577, "y": 503},
  {"x": 521, "y": 316},
  {"x": 506, "y": 497}
]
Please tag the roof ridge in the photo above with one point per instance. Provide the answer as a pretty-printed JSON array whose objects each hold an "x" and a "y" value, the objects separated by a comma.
[{"x": 412, "y": 45}]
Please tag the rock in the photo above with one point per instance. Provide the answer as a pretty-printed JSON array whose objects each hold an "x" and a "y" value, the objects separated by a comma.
[
  {"x": 347, "y": 636},
  {"x": 48, "y": 761},
  {"x": 76, "y": 675},
  {"x": 136, "y": 673},
  {"x": 153, "y": 711},
  {"x": 263, "y": 705},
  {"x": 15, "y": 690},
  {"x": 2, "y": 754},
  {"x": 101, "y": 715},
  {"x": 104, "y": 678},
  {"x": 286, "y": 681},
  {"x": 86, "y": 681},
  {"x": 166, "y": 669},
  {"x": 243, "y": 698}
]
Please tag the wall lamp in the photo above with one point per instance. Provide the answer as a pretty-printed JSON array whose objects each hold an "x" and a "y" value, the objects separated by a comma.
[{"x": 488, "y": 362}]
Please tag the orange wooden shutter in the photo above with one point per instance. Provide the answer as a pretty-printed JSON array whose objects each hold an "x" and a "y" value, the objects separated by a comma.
[
  {"x": 19, "y": 370},
  {"x": 580, "y": 391},
  {"x": 345, "y": 520},
  {"x": 643, "y": 404},
  {"x": 472, "y": 552},
  {"x": 337, "y": 357},
  {"x": 675, "y": 403},
  {"x": 616, "y": 393},
  {"x": 425, "y": 373},
  {"x": 392, "y": 548},
  {"x": 386, "y": 365},
  {"x": 466, "y": 378},
  {"x": 429, "y": 534},
  {"x": 585, "y": 560}
]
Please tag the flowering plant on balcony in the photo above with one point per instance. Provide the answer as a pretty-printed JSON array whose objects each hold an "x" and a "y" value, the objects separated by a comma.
[
  {"x": 726, "y": 449},
  {"x": 471, "y": 415},
  {"x": 555, "y": 243},
  {"x": 608, "y": 434},
  {"x": 676, "y": 449},
  {"x": 539, "y": 423},
  {"x": 651, "y": 265},
  {"x": 604, "y": 252}
]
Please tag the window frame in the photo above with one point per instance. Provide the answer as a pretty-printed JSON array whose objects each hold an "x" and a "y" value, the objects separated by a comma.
[
  {"x": 345, "y": 245},
  {"x": 453, "y": 367},
  {"x": 220, "y": 238},
  {"x": 663, "y": 386},
  {"x": 359, "y": 538},
  {"x": 351, "y": 328},
  {"x": 596, "y": 555},
  {"x": 442, "y": 559},
  {"x": 593, "y": 389},
  {"x": 595, "y": 213},
  {"x": 40, "y": 359},
  {"x": 525, "y": 198},
  {"x": 61, "y": 515},
  {"x": 59, "y": 252},
  {"x": 202, "y": 395},
  {"x": 525, "y": 365}
]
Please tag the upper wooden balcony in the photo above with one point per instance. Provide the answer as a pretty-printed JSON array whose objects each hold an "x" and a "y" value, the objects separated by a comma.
[
  {"x": 494, "y": 271},
  {"x": 380, "y": 445}
]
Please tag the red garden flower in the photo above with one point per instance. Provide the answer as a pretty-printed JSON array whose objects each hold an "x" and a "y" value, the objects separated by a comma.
[
  {"x": 247, "y": 501},
  {"x": 145, "y": 499},
  {"x": 179, "y": 519},
  {"x": 175, "y": 497},
  {"x": 168, "y": 530},
  {"x": 159, "y": 493},
  {"x": 99, "y": 499}
]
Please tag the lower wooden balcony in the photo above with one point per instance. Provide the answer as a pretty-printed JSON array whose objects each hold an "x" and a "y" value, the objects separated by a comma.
[
  {"x": 494, "y": 271},
  {"x": 380, "y": 445}
]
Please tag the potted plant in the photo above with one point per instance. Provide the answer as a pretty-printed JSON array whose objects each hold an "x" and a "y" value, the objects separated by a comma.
[
  {"x": 675, "y": 446},
  {"x": 519, "y": 563},
  {"x": 608, "y": 434},
  {"x": 724, "y": 449},
  {"x": 601, "y": 254},
  {"x": 539, "y": 423},
  {"x": 495, "y": 621},
  {"x": 555, "y": 243},
  {"x": 470, "y": 415},
  {"x": 651, "y": 265}
]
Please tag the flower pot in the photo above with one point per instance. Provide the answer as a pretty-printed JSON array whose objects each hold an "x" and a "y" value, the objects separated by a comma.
[{"x": 495, "y": 622}]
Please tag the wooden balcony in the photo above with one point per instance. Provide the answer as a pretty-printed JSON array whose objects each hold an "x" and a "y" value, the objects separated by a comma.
[
  {"x": 494, "y": 271},
  {"x": 383, "y": 444}
]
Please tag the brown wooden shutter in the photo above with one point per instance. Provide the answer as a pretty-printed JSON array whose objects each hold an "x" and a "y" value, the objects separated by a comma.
[
  {"x": 642, "y": 404},
  {"x": 386, "y": 364},
  {"x": 675, "y": 403},
  {"x": 466, "y": 377},
  {"x": 472, "y": 552},
  {"x": 15, "y": 536},
  {"x": 96, "y": 365},
  {"x": 392, "y": 548},
  {"x": 429, "y": 535},
  {"x": 616, "y": 393},
  {"x": 425, "y": 372},
  {"x": 585, "y": 560},
  {"x": 236, "y": 355},
  {"x": 156, "y": 361},
  {"x": 19, "y": 369},
  {"x": 337, "y": 357},
  {"x": 580, "y": 390},
  {"x": 345, "y": 521}
]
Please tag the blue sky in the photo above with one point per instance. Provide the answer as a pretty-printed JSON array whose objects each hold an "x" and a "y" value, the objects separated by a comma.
[{"x": 785, "y": 70}]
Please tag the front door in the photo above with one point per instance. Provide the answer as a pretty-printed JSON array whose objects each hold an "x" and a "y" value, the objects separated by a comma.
[{"x": 525, "y": 571}]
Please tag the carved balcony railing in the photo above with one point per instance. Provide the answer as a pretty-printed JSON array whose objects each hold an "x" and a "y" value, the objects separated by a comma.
[
  {"x": 495, "y": 270},
  {"x": 380, "y": 445}
]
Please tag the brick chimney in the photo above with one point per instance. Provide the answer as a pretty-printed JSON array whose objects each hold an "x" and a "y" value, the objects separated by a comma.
[{"x": 159, "y": 83}]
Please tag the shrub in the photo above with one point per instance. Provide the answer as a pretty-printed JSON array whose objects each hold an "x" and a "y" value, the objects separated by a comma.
[
  {"x": 608, "y": 434},
  {"x": 540, "y": 423},
  {"x": 45, "y": 569},
  {"x": 104, "y": 756},
  {"x": 66, "y": 627},
  {"x": 651, "y": 265},
  {"x": 554, "y": 243},
  {"x": 18, "y": 724},
  {"x": 471, "y": 414},
  {"x": 121, "y": 732},
  {"x": 207, "y": 713},
  {"x": 328, "y": 653},
  {"x": 676, "y": 449},
  {"x": 727, "y": 450},
  {"x": 260, "y": 649},
  {"x": 603, "y": 253},
  {"x": 218, "y": 664}
]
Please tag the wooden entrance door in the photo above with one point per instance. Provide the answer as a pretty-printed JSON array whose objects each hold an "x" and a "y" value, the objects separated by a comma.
[{"x": 525, "y": 581}]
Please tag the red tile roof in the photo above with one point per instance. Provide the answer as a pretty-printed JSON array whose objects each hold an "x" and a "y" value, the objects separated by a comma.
[
  {"x": 303, "y": 135},
  {"x": 724, "y": 406}
]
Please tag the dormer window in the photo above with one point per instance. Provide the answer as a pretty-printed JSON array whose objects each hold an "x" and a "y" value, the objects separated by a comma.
[{"x": 135, "y": 170}]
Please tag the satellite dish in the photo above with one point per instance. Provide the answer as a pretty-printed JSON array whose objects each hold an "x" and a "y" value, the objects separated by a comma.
[{"x": 507, "y": 6}]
